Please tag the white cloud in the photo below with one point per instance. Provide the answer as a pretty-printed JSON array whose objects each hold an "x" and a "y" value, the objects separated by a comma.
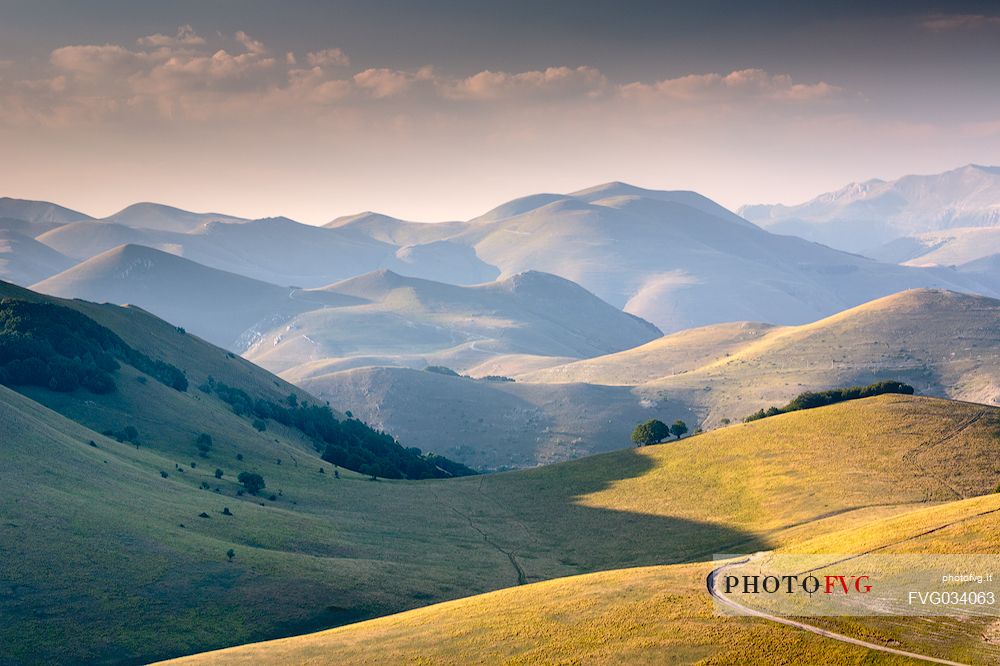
[
  {"x": 741, "y": 84},
  {"x": 556, "y": 81},
  {"x": 383, "y": 82},
  {"x": 328, "y": 57},
  {"x": 250, "y": 44},
  {"x": 94, "y": 59}
]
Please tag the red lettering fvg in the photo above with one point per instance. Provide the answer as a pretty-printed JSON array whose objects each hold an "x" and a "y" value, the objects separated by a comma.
[{"x": 845, "y": 584}]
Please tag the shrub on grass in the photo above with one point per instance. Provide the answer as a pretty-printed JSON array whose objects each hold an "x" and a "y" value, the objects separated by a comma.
[{"x": 252, "y": 482}]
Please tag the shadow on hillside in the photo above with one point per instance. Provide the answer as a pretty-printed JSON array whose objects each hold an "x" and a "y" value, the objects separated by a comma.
[{"x": 554, "y": 524}]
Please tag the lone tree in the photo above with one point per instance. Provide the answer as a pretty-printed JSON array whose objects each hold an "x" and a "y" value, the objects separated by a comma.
[
  {"x": 230, "y": 554},
  {"x": 254, "y": 483},
  {"x": 678, "y": 428},
  {"x": 650, "y": 432}
]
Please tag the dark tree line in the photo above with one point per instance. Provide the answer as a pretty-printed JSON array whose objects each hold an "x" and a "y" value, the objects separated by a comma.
[
  {"x": 349, "y": 443},
  {"x": 58, "y": 348}
]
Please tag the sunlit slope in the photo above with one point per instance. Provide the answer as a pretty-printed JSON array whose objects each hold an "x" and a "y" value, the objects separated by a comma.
[
  {"x": 327, "y": 551},
  {"x": 786, "y": 470},
  {"x": 675, "y": 353},
  {"x": 659, "y": 615},
  {"x": 942, "y": 342}
]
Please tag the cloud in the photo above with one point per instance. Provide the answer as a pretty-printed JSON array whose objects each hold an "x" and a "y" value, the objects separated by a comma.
[
  {"x": 184, "y": 76},
  {"x": 950, "y": 22},
  {"x": 383, "y": 82},
  {"x": 553, "y": 81},
  {"x": 185, "y": 37},
  {"x": 100, "y": 60},
  {"x": 744, "y": 84},
  {"x": 328, "y": 57},
  {"x": 250, "y": 44}
]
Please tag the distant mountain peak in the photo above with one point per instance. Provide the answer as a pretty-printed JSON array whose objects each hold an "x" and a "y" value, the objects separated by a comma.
[
  {"x": 530, "y": 279},
  {"x": 609, "y": 189},
  {"x": 862, "y": 216},
  {"x": 363, "y": 217}
]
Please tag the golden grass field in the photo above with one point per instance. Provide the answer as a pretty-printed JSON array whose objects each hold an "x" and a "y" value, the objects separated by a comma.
[
  {"x": 114, "y": 558},
  {"x": 655, "y": 615}
]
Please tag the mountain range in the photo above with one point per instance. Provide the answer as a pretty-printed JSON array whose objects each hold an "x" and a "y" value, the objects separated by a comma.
[
  {"x": 862, "y": 216},
  {"x": 673, "y": 258}
]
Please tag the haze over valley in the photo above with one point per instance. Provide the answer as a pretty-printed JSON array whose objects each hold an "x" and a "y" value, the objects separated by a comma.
[{"x": 553, "y": 307}]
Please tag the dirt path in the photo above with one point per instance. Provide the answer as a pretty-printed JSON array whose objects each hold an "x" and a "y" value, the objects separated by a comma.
[{"x": 522, "y": 579}]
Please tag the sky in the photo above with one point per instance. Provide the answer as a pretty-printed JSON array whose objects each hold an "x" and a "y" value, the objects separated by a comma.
[{"x": 441, "y": 109}]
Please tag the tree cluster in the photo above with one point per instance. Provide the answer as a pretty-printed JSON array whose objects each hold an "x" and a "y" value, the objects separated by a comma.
[
  {"x": 60, "y": 349},
  {"x": 655, "y": 431},
  {"x": 811, "y": 399}
]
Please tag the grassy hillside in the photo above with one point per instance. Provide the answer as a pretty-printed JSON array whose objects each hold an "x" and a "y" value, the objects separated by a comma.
[
  {"x": 941, "y": 342},
  {"x": 99, "y": 544},
  {"x": 234, "y": 399},
  {"x": 658, "y": 615},
  {"x": 672, "y": 354}
]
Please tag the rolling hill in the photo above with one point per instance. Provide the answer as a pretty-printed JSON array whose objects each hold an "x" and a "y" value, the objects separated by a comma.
[
  {"x": 24, "y": 260},
  {"x": 325, "y": 551},
  {"x": 491, "y": 425},
  {"x": 941, "y": 342},
  {"x": 953, "y": 247},
  {"x": 166, "y": 218},
  {"x": 661, "y": 615},
  {"x": 38, "y": 211},
  {"x": 275, "y": 250},
  {"x": 215, "y": 305},
  {"x": 413, "y": 322},
  {"x": 395, "y": 231},
  {"x": 862, "y": 216}
]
